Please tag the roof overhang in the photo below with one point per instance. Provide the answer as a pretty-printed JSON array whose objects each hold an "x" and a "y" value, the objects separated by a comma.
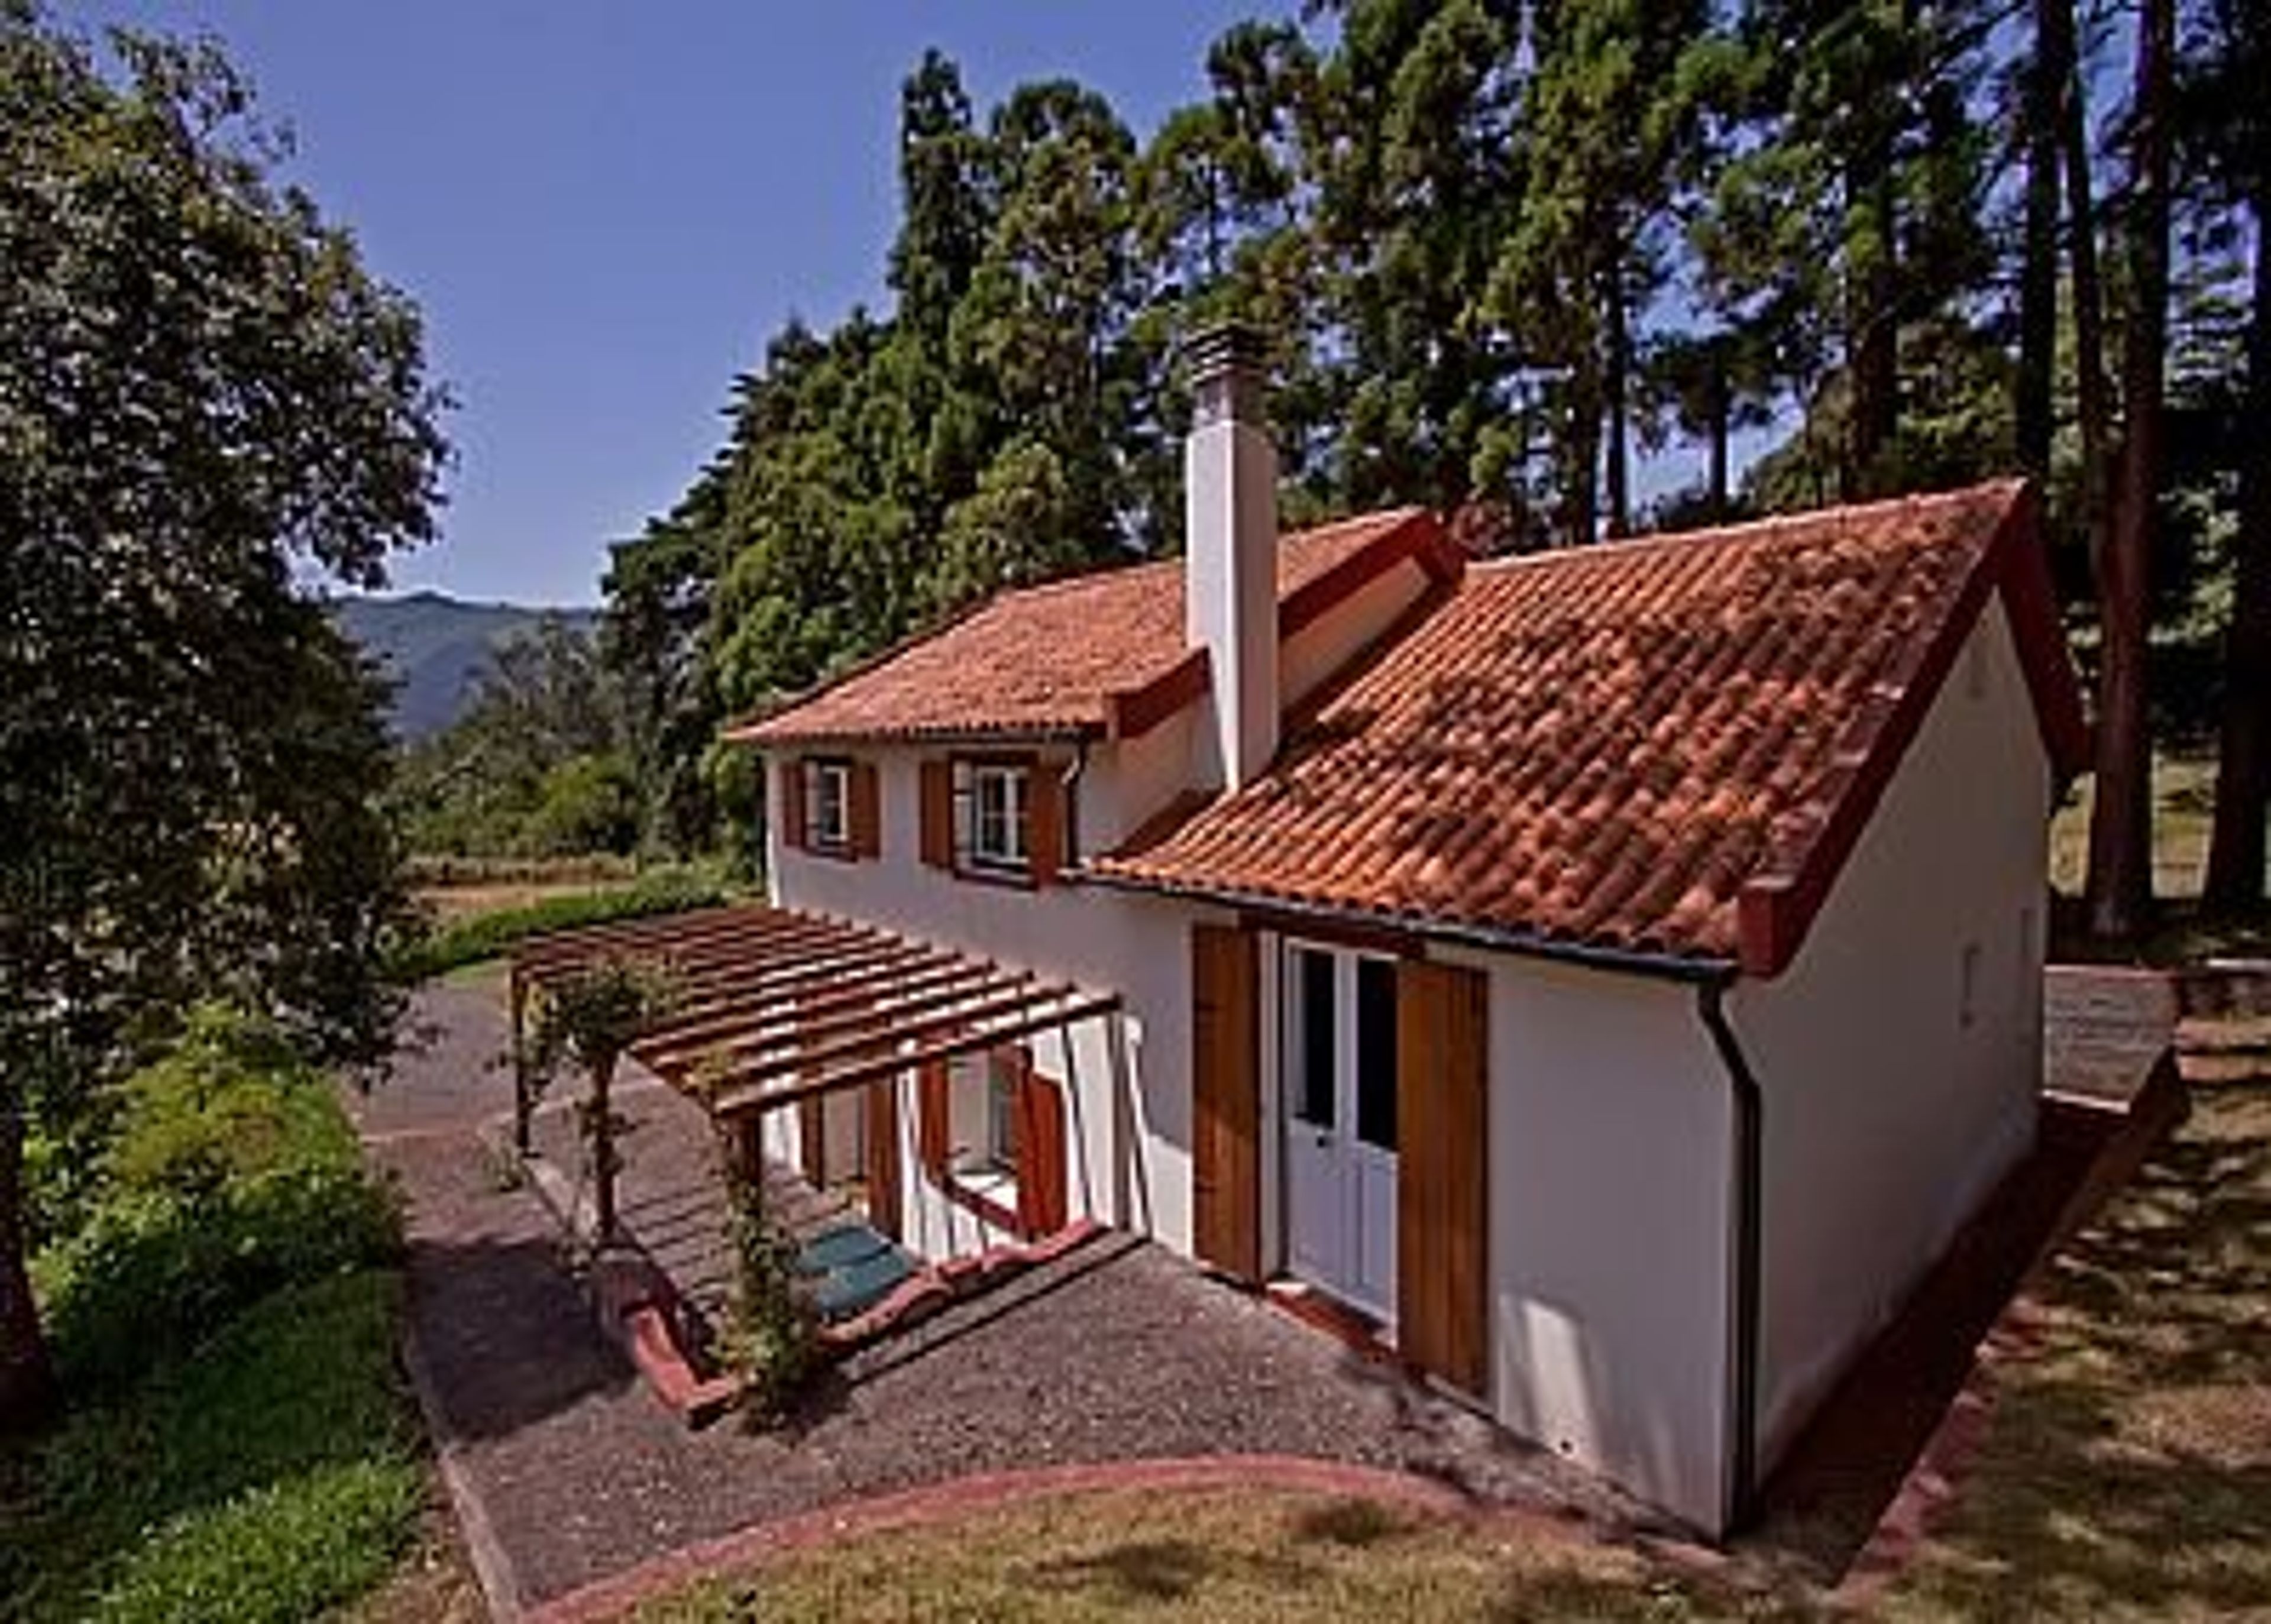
[
  {"x": 1776, "y": 907},
  {"x": 772, "y": 1006}
]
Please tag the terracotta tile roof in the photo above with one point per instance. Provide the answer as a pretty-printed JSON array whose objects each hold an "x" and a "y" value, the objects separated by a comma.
[
  {"x": 1052, "y": 658},
  {"x": 1607, "y": 746}
]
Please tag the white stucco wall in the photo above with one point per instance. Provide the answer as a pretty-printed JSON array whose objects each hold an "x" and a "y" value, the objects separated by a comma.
[
  {"x": 1887, "y": 1114},
  {"x": 1609, "y": 1145},
  {"x": 1128, "y": 1089}
]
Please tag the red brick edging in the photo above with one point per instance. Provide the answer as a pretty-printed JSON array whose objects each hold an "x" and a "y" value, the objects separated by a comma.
[{"x": 944, "y": 1502}]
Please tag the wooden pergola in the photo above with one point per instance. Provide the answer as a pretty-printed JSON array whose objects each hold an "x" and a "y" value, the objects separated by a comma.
[{"x": 776, "y": 1007}]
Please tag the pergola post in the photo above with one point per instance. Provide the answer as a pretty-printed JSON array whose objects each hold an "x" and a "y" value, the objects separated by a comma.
[{"x": 517, "y": 995}]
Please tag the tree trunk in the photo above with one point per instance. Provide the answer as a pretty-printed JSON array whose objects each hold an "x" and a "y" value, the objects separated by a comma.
[
  {"x": 2093, "y": 408},
  {"x": 603, "y": 1151},
  {"x": 1874, "y": 358},
  {"x": 2234, "y": 887},
  {"x": 27, "y": 1379},
  {"x": 1616, "y": 381},
  {"x": 2120, "y": 827},
  {"x": 1581, "y": 469},
  {"x": 2032, "y": 416},
  {"x": 1721, "y": 409}
]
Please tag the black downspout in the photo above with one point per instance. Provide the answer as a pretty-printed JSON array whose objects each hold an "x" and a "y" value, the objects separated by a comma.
[{"x": 1743, "y": 1265}]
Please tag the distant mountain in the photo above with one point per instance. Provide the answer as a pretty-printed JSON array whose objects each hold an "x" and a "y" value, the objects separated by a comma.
[{"x": 439, "y": 646}]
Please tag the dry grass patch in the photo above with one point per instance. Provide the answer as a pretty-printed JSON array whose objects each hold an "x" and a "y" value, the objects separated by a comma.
[{"x": 1226, "y": 1556}]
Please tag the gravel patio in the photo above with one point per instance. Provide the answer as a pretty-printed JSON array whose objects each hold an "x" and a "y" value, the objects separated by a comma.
[{"x": 567, "y": 1469}]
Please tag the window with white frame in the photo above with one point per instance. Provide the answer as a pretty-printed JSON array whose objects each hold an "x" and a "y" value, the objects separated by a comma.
[
  {"x": 827, "y": 803},
  {"x": 995, "y": 803}
]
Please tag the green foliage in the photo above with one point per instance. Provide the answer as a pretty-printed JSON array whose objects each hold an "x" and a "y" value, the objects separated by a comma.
[
  {"x": 270, "y": 1474},
  {"x": 589, "y": 1016},
  {"x": 206, "y": 404},
  {"x": 772, "y": 1332},
  {"x": 199, "y": 385},
  {"x": 537, "y": 766},
  {"x": 585, "y": 803},
  {"x": 232, "y": 1171},
  {"x": 489, "y": 936}
]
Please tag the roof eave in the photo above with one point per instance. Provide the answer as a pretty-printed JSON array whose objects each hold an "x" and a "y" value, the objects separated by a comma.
[
  {"x": 1053, "y": 733},
  {"x": 1693, "y": 969}
]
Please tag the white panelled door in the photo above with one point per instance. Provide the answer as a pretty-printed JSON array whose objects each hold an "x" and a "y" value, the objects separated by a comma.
[{"x": 1338, "y": 1087}]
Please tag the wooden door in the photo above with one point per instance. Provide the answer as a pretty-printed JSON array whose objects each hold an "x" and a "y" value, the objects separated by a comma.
[
  {"x": 1041, "y": 1201},
  {"x": 1226, "y": 1100},
  {"x": 1442, "y": 1263},
  {"x": 883, "y": 1193}
]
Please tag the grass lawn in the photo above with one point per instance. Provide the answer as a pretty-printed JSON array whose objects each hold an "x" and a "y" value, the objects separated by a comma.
[
  {"x": 2126, "y": 1473},
  {"x": 273, "y": 1474},
  {"x": 1229, "y": 1557}
]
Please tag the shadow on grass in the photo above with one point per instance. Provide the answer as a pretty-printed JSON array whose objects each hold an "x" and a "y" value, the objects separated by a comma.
[
  {"x": 1174, "y": 1570},
  {"x": 2127, "y": 1466}
]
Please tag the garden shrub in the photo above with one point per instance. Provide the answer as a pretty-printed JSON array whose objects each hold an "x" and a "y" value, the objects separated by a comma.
[
  {"x": 232, "y": 1171},
  {"x": 271, "y": 1473}
]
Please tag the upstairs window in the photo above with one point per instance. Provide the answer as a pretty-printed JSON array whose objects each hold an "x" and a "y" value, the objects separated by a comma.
[
  {"x": 830, "y": 806},
  {"x": 998, "y": 808},
  {"x": 828, "y": 816},
  {"x": 998, "y": 817}
]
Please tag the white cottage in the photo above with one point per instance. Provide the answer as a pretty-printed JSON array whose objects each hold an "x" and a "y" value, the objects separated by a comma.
[{"x": 1614, "y": 974}]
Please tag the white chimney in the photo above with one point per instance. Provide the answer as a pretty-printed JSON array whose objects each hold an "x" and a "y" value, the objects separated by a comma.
[{"x": 1230, "y": 590}]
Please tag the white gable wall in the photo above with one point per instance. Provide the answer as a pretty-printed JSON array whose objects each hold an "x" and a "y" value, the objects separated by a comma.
[
  {"x": 1611, "y": 1142},
  {"x": 1890, "y": 1109}
]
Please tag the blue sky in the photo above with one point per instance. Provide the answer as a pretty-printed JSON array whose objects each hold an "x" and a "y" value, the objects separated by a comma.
[{"x": 604, "y": 209}]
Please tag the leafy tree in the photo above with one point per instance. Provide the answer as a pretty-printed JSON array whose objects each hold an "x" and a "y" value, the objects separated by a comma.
[
  {"x": 1856, "y": 208},
  {"x": 1609, "y": 122},
  {"x": 201, "y": 391},
  {"x": 591, "y": 1017},
  {"x": 539, "y": 764}
]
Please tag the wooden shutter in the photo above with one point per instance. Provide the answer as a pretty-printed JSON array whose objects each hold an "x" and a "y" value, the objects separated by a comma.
[
  {"x": 883, "y": 1155},
  {"x": 1041, "y": 1205},
  {"x": 866, "y": 812},
  {"x": 933, "y": 1133},
  {"x": 789, "y": 795},
  {"x": 1226, "y": 1100},
  {"x": 812, "y": 1139},
  {"x": 1442, "y": 1209},
  {"x": 937, "y": 815},
  {"x": 1045, "y": 796}
]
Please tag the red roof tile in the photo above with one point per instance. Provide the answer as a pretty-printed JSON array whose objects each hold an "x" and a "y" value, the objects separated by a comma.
[
  {"x": 1607, "y": 746},
  {"x": 1052, "y": 659}
]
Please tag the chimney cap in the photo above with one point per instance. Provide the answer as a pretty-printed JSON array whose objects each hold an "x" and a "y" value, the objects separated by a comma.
[{"x": 1223, "y": 346}]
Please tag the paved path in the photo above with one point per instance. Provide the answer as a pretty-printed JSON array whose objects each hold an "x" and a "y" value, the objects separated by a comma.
[{"x": 570, "y": 1472}]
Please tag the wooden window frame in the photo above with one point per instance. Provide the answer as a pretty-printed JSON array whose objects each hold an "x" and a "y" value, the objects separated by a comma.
[
  {"x": 818, "y": 839},
  {"x": 963, "y": 769},
  {"x": 941, "y": 1153}
]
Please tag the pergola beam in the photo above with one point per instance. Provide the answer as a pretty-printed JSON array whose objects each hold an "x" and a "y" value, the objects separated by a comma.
[
  {"x": 764, "y": 979},
  {"x": 742, "y": 1101},
  {"x": 803, "y": 1059},
  {"x": 711, "y": 952},
  {"x": 804, "y": 1015},
  {"x": 790, "y": 1026},
  {"x": 633, "y": 936}
]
